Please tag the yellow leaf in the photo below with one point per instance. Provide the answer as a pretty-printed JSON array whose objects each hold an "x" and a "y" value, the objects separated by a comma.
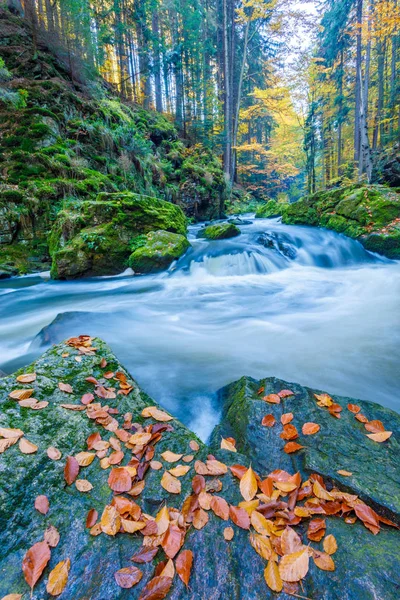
[
  {"x": 110, "y": 520},
  {"x": 324, "y": 400},
  {"x": 140, "y": 438},
  {"x": 132, "y": 526},
  {"x": 290, "y": 541},
  {"x": 248, "y": 485},
  {"x": 226, "y": 445},
  {"x": 261, "y": 545},
  {"x": 156, "y": 465},
  {"x": 285, "y": 486},
  {"x": 330, "y": 544},
  {"x": 321, "y": 492},
  {"x": 323, "y": 561},
  {"x": 179, "y": 471},
  {"x": 171, "y": 456},
  {"x": 272, "y": 576},
  {"x": 162, "y": 520},
  {"x": 58, "y": 578},
  {"x": 83, "y": 485},
  {"x": 168, "y": 570},
  {"x": 156, "y": 414},
  {"x": 380, "y": 437},
  {"x": 170, "y": 483},
  {"x": 262, "y": 525},
  {"x": 85, "y": 458},
  {"x": 249, "y": 507},
  {"x": 215, "y": 467},
  {"x": 294, "y": 567},
  {"x": 344, "y": 473}
]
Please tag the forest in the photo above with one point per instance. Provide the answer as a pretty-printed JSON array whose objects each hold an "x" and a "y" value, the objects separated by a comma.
[{"x": 199, "y": 299}]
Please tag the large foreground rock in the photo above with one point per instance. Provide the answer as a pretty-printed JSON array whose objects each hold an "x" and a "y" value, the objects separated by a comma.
[
  {"x": 99, "y": 236},
  {"x": 368, "y": 213},
  {"x": 366, "y": 565}
]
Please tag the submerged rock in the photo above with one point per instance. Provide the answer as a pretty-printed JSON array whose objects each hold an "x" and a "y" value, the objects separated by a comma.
[
  {"x": 219, "y": 231},
  {"x": 159, "y": 251},
  {"x": 98, "y": 238},
  {"x": 366, "y": 566}
]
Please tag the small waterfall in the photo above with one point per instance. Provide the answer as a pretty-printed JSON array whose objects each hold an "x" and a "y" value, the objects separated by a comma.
[{"x": 238, "y": 264}]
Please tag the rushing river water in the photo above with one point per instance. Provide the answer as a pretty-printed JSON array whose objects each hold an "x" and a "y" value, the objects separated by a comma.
[{"x": 299, "y": 303}]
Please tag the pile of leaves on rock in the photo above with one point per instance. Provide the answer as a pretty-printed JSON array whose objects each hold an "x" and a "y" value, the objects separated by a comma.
[{"x": 271, "y": 508}]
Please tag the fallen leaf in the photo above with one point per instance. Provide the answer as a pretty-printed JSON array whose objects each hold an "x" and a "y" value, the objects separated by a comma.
[
  {"x": 74, "y": 407},
  {"x": 272, "y": 576},
  {"x": 188, "y": 458},
  {"x": 320, "y": 492},
  {"x": 285, "y": 393},
  {"x": 374, "y": 426},
  {"x": 71, "y": 470},
  {"x": 120, "y": 480},
  {"x": 290, "y": 541},
  {"x": 286, "y": 418},
  {"x": 21, "y": 394},
  {"x": 316, "y": 529},
  {"x": 85, "y": 458},
  {"x": 145, "y": 554},
  {"x": 272, "y": 399},
  {"x": 262, "y": 525},
  {"x": 51, "y": 536},
  {"x": 239, "y": 516},
  {"x": 26, "y": 378},
  {"x": 170, "y": 483},
  {"x": 87, "y": 399},
  {"x": 83, "y": 485},
  {"x": 261, "y": 545},
  {"x": 354, "y": 408},
  {"x": 58, "y": 578},
  {"x": 330, "y": 544},
  {"x": 179, "y": 471},
  {"x": 228, "y": 534},
  {"x": 166, "y": 570},
  {"x": 291, "y": 447},
  {"x": 65, "y": 387},
  {"x": 194, "y": 445},
  {"x": 184, "y": 563},
  {"x": 91, "y": 518},
  {"x": 156, "y": 589},
  {"x": 92, "y": 439},
  {"x": 310, "y": 428},
  {"x": 200, "y": 519},
  {"x": 227, "y": 445},
  {"x": 361, "y": 418},
  {"x": 34, "y": 562},
  {"x": 324, "y": 399},
  {"x": 110, "y": 521},
  {"x": 289, "y": 432},
  {"x": 216, "y": 467},
  {"x": 13, "y": 434},
  {"x": 27, "y": 447},
  {"x": 248, "y": 485},
  {"x": 344, "y": 473},
  {"x": 268, "y": 421},
  {"x": 156, "y": 414},
  {"x": 220, "y": 507},
  {"x": 171, "y": 456},
  {"x": 12, "y": 597},
  {"x": 380, "y": 437},
  {"x": 294, "y": 567},
  {"x": 128, "y": 577},
  {"x": 323, "y": 561},
  {"x": 42, "y": 504},
  {"x": 172, "y": 541}
]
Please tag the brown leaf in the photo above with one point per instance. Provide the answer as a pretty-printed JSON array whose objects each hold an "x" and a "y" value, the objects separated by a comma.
[
  {"x": 171, "y": 456},
  {"x": 272, "y": 576},
  {"x": 286, "y": 418},
  {"x": 145, "y": 554},
  {"x": 374, "y": 426},
  {"x": 310, "y": 428},
  {"x": 184, "y": 563},
  {"x": 51, "y": 536},
  {"x": 361, "y": 418},
  {"x": 21, "y": 394},
  {"x": 248, "y": 485},
  {"x": 354, "y": 408},
  {"x": 240, "y": 517},
  {"x": 65, "y": 387},
  {"x": 220, "y": 507},
  {"x": 110, "y": 520},
  {"x": 53, "y": 453},
  {"x": 228, "y": 534},
  {"x": 330, "y": 544},
  {"x": 156, "y": 414},
  {"x": 268, "y": 421},
  {"x": 26, "y": 378},
  {"x": 92, "y": 439},
  {"x": 42, "y": 504},
  {"x": 170, "y": 483},
  {"x": 173, "y": 540},
  {"x": 198, "y": 484},
  {"x": 290, "y": 541},
  {"x": 87, "y": 399},
  {"x": 380, "y": 437},
  {"x": 156, "y": 589},
  {"x": 291, "y": 447},
  {"x": 294, "y": 567},
  {"x": 238, "y": 470},
  {"x": 128, "y": 577},
  {"x": 120, "y": 480},
  {"x": 27, "y": 447},
  {"x": 58, "y": 578},
  {"x": 200, "y": 518},
  {"x": 71, "y": 470},
  {"x": 323, "y": 561},
  {"x": 316, "y": 529},
  {"x": 34, "y": 563},
  {"x": 368, "y": 517},
  {"x": 83, "y": 485},
  {"x": 272, "y": 399}
]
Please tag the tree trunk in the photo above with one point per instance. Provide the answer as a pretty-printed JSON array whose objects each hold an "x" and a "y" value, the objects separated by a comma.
[
  {"x": 156, "y": 61},
  {"x": 359, "y": 16},
  {"x": 228, "y": 94}
]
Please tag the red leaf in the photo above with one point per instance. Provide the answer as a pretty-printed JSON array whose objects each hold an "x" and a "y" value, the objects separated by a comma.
[
  {"x": 71, "y": 470},
  {"x": 184, "y": 564},
  {"x": 198, "y": 484},
  {"x": 128, "y": 577},
  {"x": 238, "y": 470},
  {"x": 34, "y": 563},
  {"x": 120, "y": 480},
  {"x": 156, "y": 589},
  {"x": 42, "y": 504},
  {"x": 239, "y": 516},
  {"x": 172, "y": 541},
  {"x": 91, "y": 518},
  {"x": 145, "y": 554},
  {"x": 93, "y": 438},
  {"x": 268, "y": 421},
  {"x": 285, "y": 393}
]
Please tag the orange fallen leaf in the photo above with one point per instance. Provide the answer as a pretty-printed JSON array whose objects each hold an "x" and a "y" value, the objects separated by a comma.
[
  {"x": 110, "y": 521},
  {"x": 380, "y": 437},
  {"x": 27, "y": 447},
  {"x": 354, "y": 408},
  {"x": 171, "y": 456},
  {"x": 71, "y": 470},
  {"x": 330, "y": 544},
  {"x": 289, "y": 432},
  {"x": 239, "y": 516},
  {"x": 179, "y": 470},
  {"x": 21, "y": 394},
  {"x": 291, "y": 447},
  {"x": 344, "y": 473},
  {"x": 42, "y": 504},
  {"x": 85, "y": 459},
  {"x": 194, "y": 445},
  {"x": 361, "y": 418},
  {"x": 26, "y": 378},
  {"x": 290, "y": 541},
  {"x": 58, "y": 578},
  {"x": 156, "y": 414},
  {"x": 248, "y": 485},
  {"x": 83, "y": 485},
  {"x": 200, "y": 518},
  {"x": 286, "y": 418},
  {"x": 120, "y": 480},
  {"x": 184, "y": 563},
  {"x": 51, "y": 536},
  {"x": 170, "y": 483},
  {"x": 268, "y": 421},
  {"x": 310, "y": 428},
  {"x": 323, "y": 561},
  {"x": 65, "y": 387},
  {"x": 227, "y": 445},
  {"x": 375, "y": 426},
  {"x": 220, "y": 507},
  {"x": 128, "y": 577},
  {"x": 285, "y": 393},
  {"x": 272, "y": 399},
  {"x": 229, "y": 533},
  {"x": 261, "y": 545},
  {"x": 156, "y": 589},
  {"x": 34, "y": 562}
]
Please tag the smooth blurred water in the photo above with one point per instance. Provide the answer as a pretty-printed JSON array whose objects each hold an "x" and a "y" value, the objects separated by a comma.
[{"x": 312, "y": 307}]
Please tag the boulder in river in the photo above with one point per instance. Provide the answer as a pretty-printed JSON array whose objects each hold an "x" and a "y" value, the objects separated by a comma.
[
  {"x": 98, "y": 238},
  {"x": 340, "y": 483},
  {"x": 159, "y": 250},
  {"x": 219, "y": 231}
]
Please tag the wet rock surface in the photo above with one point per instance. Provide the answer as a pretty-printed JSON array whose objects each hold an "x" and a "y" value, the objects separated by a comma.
[
  {"x": 219, "y": 231},
  {"x": 366, "y": 565}
]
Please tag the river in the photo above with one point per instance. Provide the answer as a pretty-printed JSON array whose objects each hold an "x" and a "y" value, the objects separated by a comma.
[{"x": 303, "y": 304}]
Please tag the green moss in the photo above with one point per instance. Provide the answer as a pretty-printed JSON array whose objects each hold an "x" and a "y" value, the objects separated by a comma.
[
  {"x": 219, "y": 231},
  {"x": 270, "y": 209},
  {"x": 159, "y": 251}
]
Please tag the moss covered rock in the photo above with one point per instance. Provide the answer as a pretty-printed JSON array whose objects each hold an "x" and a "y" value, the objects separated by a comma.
[
  {"x": 97, "y": 237},
  {"x": 269, "y": 209},
  {"x": 160, "y": 249},
  {"x": 219, "y": 231},
  {"x": 369, "y": 213}
]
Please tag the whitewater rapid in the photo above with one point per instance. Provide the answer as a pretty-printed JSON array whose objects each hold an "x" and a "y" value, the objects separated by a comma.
[{"x": 299, "y": 303}]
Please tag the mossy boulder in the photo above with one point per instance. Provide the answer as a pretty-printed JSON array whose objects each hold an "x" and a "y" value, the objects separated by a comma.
[
  {"x": 219, "y": 231},
  {"x": 269, "y": 209},
  {"x": 160, "y": 249},
  {"x": 97, "y": 237},
  {"x": 220, "y": 567},
  {"x": 369, "y": 213}
]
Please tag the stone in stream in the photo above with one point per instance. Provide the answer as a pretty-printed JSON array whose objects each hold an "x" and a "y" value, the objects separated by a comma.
[
  {"x": 160, "y": 250},
  {"x": 366, "y": 565},
  {"x": 219, "y": 231}
]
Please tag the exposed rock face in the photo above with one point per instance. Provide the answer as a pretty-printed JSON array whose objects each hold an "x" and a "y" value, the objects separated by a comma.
[
  {"x": 98, "y": 238},
  {"x": 159, "y": 251},
  {"x": 366, "y": 565},
  {"x": 368, "y": 213},
  {"x": 219, "y": 231}
]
